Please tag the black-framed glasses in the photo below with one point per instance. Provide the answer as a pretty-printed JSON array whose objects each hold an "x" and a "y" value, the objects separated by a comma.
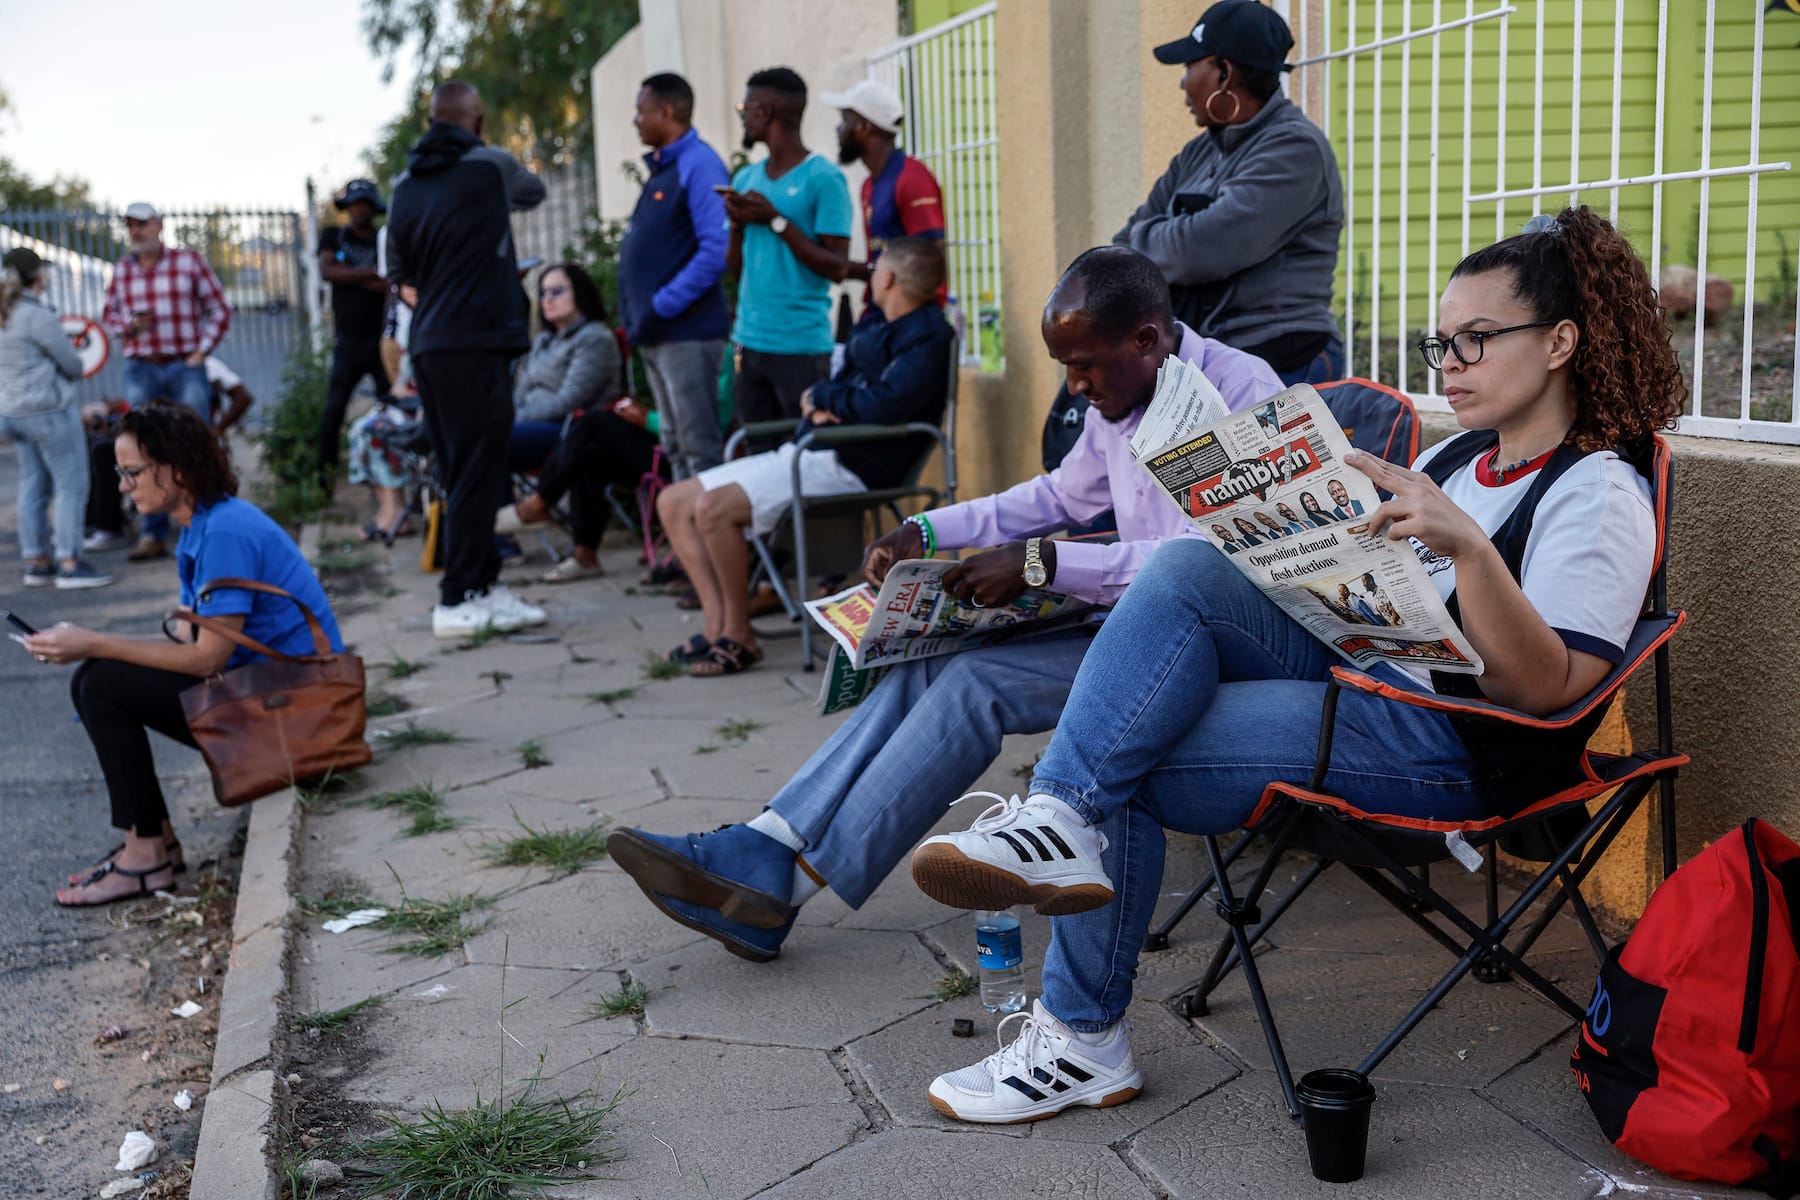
[
  {"x": 1468, "y": 346},
  {"x": 129, "y": 475}
]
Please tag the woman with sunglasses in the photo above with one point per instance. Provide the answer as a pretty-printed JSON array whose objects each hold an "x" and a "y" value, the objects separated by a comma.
[
  {"x": 170, "y": 463},
  {"x": 1548, "y": 341}
]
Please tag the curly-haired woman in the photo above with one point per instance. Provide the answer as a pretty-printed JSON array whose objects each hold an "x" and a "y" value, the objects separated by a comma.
[
  {"x": 169, "y": 462},
  {"x": 1554, "y": 352}
]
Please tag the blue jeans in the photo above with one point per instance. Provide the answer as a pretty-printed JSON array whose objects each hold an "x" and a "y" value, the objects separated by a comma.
[
  {"x": 920, "y": 739},
  {"x": 53, "y": 458},
  {"x": 1198, "y": 693},
  {"x": 531, "y": 444},
  {"x": 185, "y": 385},
  {"x": 1325, "y": 367}
]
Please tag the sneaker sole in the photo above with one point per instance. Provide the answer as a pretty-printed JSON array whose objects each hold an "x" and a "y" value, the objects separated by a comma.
[
  {"x": 951, "y": 877},
  {"x": 718, "y": 935},
  {"x": 45, "y": 581},
  {"x": 75, "y": 585},
  {"x": 660, "y": 871},
  {"x": 1107, "y": 1101}
]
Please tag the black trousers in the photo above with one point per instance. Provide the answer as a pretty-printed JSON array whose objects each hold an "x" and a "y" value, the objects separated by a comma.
[
  {"x": 767, "y": 387},
  {"x": 120, "y": 703},
  {"x": 601, "y": 449},
  {"x": 105, "y": 507},
  {"x": 351, "y": 359},
  {"x": 468, "y": 409}
]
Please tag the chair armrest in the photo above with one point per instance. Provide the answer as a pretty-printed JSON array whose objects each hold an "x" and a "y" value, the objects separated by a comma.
[
  {"x": 1648, "y": 637},
  {"x": 756, "y": 429},
  {"x": 826, "y": 437}
]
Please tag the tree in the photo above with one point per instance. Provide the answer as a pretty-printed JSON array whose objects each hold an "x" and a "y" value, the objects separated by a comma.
[
  {"x": 530, "y": 59},
  {"x": 20, "y": 190}
]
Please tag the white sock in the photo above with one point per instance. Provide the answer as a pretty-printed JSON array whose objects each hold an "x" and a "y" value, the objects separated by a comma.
[
  {"x": 1111, "y": 1045},
  {"x": 805, "y": 887},
  {"x": 1060, "y": 806},
  {"x": 770, "y": 823}
]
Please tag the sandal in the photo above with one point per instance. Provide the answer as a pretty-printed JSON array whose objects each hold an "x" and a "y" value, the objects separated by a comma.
[
  {"x": 690, "y": 651},
  {"x": 112, "y": 868},
  {"x": 725, "y": 657},
  {"x": 662, "y": 575},
  {"x": 177, "y": 861},
  {"x": 689, "y": 601}
]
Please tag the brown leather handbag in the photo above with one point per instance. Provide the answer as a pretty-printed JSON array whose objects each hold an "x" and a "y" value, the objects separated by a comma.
[{"x": 280, "y": 720}]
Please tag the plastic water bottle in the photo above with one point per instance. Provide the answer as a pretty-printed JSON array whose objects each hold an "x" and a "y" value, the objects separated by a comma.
[{"x": 1001, "y": 961}]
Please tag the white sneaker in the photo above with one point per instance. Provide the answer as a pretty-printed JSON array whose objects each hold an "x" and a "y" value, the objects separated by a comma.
[
  {"x": 510, "y": 612},
  {"x": 1031, "y": 851},
  {"x": 508, "y": 520},
  {"x": 461, "y": 620},
  {"x": 1042, "y": 1071}
]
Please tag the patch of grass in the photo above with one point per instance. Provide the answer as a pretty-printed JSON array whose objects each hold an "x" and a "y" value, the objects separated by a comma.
[
  {"x": 628, "y": 1001},
  {"x": 416, "y": 734},
  {"x": 661, "y": 668},
  {"x": 565, "y": 851},
  {"x": 532, "y": 755},
  {"x": 708, "y": 748},
  {"x": 338, "y": 1019},
  {"x": 320, "y": 790},
  {"x": 433, "y": 927},
  {"x": 493, "y": 1149},
  {"x": 956, "y": 985},
  {"x": 421, "y": 802},
  {"x": 384, "y": 704},
  {"x": 334, "y": 904},
  {"x": 480, "y": 637},
  {"x": 401, "y": 668},
  {"x": 613, "y": 696},
  {"x": 737, "y": 731},
  {"x": 388, "y": 592},
  {"x": 337, "y": 562}
]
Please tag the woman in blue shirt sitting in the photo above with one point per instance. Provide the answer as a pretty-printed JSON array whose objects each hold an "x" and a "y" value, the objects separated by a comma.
[{"x": 170, "y": 463}]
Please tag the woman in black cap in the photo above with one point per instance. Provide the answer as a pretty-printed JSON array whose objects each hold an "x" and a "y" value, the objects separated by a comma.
[
  {"x": 1245, "y": 221},
  {"x": 38, "y": 413}
]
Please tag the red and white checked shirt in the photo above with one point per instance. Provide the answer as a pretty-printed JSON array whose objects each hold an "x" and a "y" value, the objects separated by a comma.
[{"x": 182, "y": 295}]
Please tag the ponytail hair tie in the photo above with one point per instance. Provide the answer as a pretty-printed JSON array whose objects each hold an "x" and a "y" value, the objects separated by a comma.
[{"x": 1544, "y": 223}]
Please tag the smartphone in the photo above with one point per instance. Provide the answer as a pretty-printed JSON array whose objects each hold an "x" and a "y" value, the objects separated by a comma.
[
  {"x": 724, "y": 189},
  {"x": 18, "y": 623}
]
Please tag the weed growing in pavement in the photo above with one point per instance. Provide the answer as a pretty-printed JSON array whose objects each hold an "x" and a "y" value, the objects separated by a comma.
[
  {"x": 331, "y": 562},
  {"x": 436, "y": 926},
  {"x": 737, "y": 731},
  {"x": 334, "y": 904},
  {"x": 955, "y": 985},
  {"x": 565, "y": 851},
  {"x": 662, "y": 668},
  {"x": 294, "y": 1183},
  {"x": 707, "y": 748},
  {"x": 416, "y": 734},
  {"x": 612, "y": 697},
  {"x": 422, "y": 802},
  {"x": 480, "y": 637},
  {"x": 532, "y": 755},
  {"x": 384, "y": 704},
  {"x": 320, "y": 790},
  {"x": 401, "y": 668},
  {"x": 628, "y": 1001},
  {"x": 338, "y": 1019},
  {"x": 496, "y": 1148}
]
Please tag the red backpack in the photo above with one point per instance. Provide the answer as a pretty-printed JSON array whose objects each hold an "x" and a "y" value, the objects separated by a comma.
[{"x": 1690, "y": 1052}]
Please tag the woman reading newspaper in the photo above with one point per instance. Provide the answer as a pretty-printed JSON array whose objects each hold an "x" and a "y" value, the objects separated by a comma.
[{"x": 1551, "y": 340}]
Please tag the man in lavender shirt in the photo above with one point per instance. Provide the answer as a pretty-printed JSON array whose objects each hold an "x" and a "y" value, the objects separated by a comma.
[{"x": 931, "y": 727}]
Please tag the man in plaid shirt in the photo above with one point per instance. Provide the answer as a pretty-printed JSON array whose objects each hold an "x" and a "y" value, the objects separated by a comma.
[{"x": 167, "y": 307}]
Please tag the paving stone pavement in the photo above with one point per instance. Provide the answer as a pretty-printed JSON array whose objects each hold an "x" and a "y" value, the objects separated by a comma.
[{"x": 806, "y": 1077}]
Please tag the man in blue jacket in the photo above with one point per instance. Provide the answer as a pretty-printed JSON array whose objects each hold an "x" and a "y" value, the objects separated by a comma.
[
  {"x": 450, "y": 236},
  {"x": 670, "y": 264}
]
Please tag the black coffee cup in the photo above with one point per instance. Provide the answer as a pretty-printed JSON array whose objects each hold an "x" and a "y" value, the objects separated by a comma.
[{"x": 1334, "y": 1111}]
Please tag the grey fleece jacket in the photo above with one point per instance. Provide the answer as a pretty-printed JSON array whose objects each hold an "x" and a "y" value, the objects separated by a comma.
[
  {"x": 577, "y": 368},
  {"x": 1244, "y": 225},
  {"x": 36, "y": 360}
]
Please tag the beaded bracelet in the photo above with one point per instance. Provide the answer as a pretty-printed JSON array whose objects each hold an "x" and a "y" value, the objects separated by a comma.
[{"x": 928, "y": 534}]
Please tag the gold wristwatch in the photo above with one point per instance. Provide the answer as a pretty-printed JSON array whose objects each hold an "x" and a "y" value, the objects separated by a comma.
[{"x": 1035, "y": 574}]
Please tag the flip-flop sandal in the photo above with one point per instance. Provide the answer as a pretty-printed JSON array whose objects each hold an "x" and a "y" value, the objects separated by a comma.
[
  {"x": 173, "y": 848},
  {"x": 692, "y": 650},
  {"x": 725, "y": 657},
  {"x": 113, "y": 868},
  {"x": 688, "y": 601}
]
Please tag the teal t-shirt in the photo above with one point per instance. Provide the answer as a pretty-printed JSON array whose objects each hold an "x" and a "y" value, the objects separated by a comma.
[{"x": 783, "y": 308}]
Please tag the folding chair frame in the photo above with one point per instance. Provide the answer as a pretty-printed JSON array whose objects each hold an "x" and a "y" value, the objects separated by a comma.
[{"x": 1289, "y": 814}]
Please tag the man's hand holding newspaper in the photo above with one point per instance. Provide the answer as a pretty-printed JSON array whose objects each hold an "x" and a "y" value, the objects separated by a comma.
[{"x": 1271, "y": 488}]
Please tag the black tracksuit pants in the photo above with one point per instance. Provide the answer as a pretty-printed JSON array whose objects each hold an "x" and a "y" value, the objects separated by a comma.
[{"x": 467, "y": 402}]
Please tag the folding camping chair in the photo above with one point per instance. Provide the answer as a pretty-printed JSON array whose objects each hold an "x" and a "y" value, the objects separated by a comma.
[
  {"x": 1555, "y": 830},
  {"x": 853, "y": 504}
]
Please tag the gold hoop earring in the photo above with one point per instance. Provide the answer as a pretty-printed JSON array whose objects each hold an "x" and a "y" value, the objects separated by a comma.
[{"x": 1236, "y": 105}]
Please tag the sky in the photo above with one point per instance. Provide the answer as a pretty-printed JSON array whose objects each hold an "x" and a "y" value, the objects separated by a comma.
[{"x": 194, "y": 103}]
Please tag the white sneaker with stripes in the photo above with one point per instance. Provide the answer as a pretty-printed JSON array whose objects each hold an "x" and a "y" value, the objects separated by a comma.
[
  {"x": 1042, "y": 1071},
  {"x": 1034, "y": 851}
]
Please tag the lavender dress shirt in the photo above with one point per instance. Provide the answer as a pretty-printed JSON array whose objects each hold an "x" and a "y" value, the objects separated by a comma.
[{"x": 1097, "y": 474}]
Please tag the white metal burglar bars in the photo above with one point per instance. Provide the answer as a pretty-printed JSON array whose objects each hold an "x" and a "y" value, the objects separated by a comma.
[
  {"x": 945, "y": 77},
  {"x": 1670, "y": 140}
]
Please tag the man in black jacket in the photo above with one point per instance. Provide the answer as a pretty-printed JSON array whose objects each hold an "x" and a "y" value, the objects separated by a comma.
[{"x": 450, "y": 236}]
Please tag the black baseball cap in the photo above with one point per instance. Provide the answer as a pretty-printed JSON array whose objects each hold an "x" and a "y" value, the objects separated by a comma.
[
  {"x": 360, "y": 189},
  {"x": 1250, "y": 34}
]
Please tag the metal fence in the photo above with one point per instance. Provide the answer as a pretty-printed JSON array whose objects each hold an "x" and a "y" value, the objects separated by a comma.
[
  {"x": 257, "y": 255},
  {"x": 945, "y": 76},
  {"x": 1453, "y": 123}
]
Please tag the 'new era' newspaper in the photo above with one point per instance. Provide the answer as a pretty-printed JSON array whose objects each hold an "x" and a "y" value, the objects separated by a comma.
[{"x": 1269, "y": 487}]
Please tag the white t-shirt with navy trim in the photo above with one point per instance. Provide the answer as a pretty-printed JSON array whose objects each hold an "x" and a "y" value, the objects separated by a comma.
[{"x": 1588, "y": 560}]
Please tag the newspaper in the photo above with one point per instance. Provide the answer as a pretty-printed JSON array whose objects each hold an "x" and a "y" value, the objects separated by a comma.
[
  {"x": 913, "y": 617},
  {"x": 843, "y": 686},
  {"x": 1269, "y": 486}
]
